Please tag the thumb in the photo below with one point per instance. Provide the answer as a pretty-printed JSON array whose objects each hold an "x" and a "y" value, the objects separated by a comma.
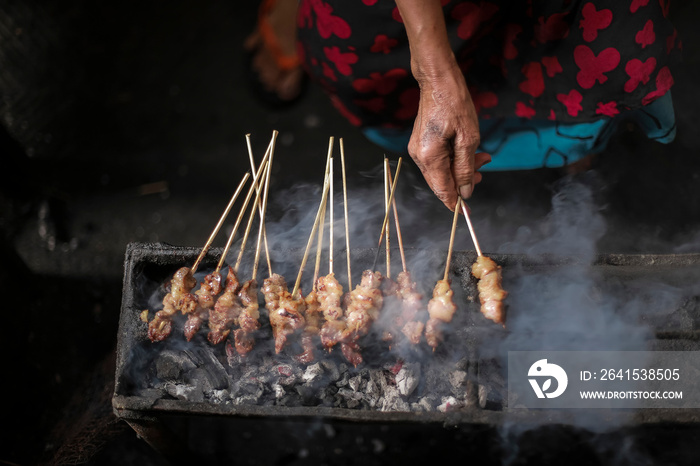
[{"x": 463, "y": 169}]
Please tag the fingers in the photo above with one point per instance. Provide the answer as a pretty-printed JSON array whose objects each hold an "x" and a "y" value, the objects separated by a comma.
[{"x": 481, "y": 159}]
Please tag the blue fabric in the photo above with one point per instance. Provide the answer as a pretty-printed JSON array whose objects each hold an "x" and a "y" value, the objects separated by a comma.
[{"x": 521, "y": 144}]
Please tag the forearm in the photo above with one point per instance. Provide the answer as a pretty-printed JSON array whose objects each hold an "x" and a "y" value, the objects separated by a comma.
[{"x": 431, "y": 55}]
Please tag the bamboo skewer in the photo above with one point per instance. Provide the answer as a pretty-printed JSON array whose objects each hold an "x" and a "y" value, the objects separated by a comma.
[
  {"x": 471, "y": 228},
  {"x": 221, "y": 222},
  {"x": 324, "y": 196},
  {"x": 263, "y": 165},
  {"x": 387, "y": 203},
  {"x": 345, "y": 209},
  {"x": 398, "y": 229},
  {"x": 386, "y": 213},
  {"x": 452, "y": 239},
  {"x": 250, "y": 220},
  {"x": 330, "y": 222},
  {"x": 252, "y": 166},
  {"x": 319, "y": 244},
  {"x": 262, "y": 215}
]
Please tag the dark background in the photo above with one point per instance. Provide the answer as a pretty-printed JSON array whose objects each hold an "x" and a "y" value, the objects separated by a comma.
[{"x": 125, "y": 121}]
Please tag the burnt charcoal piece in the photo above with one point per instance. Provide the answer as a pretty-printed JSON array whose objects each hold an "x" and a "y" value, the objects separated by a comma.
[
  {"x": 408, "y": 378},
  {"x": 170, "y": 365}
]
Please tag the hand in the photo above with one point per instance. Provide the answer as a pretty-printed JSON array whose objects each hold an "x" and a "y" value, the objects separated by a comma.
[{"x": 445, "y": 138}]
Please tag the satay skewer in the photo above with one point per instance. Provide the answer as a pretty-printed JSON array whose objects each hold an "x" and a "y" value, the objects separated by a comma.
[
  {"x": 386, "y": 214},
  {"x": 221, "y": 222},
  {"x": 471, "y": 228},
  {"x": 452, "y": 238},
  {"x": 262, "y": 218},
  {"x": 256, "y": 179},
  {"x": 251, "y": 216},
  {"x": 324, "y": 196},
  {"x": 345, "y": 209},
  {"x": 398, "y": 228},
  {"x": 330, "y": 223},
  {"x": 387, "y": 203},
  {"x": 319, "y": 248},
  {"x": 252, "y": 167}
]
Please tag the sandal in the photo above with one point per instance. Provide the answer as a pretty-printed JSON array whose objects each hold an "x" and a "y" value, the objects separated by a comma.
[{"x": 285, "y": 84}]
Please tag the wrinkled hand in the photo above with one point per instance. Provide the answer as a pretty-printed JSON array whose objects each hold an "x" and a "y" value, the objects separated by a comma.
[{"x": 445, "y": 139}]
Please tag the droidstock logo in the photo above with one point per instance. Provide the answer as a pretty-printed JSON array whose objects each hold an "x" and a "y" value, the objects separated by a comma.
[{"x": 543, "y": 370}]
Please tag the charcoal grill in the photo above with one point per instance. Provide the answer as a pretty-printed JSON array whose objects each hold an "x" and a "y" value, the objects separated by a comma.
[{"x": 172, "y": 425}]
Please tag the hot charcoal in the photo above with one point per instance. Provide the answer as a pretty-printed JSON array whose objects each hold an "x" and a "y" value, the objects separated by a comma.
[{"x": 464, "y": 374}]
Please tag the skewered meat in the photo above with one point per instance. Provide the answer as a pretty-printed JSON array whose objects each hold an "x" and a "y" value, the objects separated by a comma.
[
  {"x": 179, "y": 299},
  {"x": 248, "y": 318},
  {"x": 285, "y": 313},
  {"x": 330, "y": 293},
  {"x": 441, "y": 309},
  {"x": 286, "y": 319},
  {"x": 225, "y": 313},
  {"x": 412, "y": 308},
  {"x": 491, "y": 293},
  {"x": 272, "y": 289},
  {"x": 363, "y": 305},
  {"x": 312, "y": 327},
  {"x": 206, "y": 294}
]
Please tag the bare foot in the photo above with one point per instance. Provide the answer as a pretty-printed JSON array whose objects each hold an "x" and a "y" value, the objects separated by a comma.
[{"x": 278, "y": 71}]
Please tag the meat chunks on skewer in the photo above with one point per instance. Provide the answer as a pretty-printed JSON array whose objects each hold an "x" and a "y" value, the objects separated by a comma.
[
  {"x": 330, "y": 293},
  {"x": 248, "y": 318},
  {"x": 180, "y": 299},
  {"x": 363, "y": 306},
  {"x": 441, "y": 308},
  {"x": 206, "y": 296},
  {"x": 313, "y": 318},
  {"x": 285, "y": 312},
  {"x": 225, "y": 313},
  {"x": 491, "y": 293},
  {"x": 412, "y": 309}
]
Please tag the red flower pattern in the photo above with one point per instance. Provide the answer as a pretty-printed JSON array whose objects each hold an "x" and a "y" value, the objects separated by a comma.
[
  {"x": 340, "y": 106},
  {"x": 646, "y": 36},
  {"x": 484, "y": 100},
  {"x": 382, "y": 84},
  {"x": 534, "y": 82},
  {"x": 639, "y": 72},
  {"x": 409, "y": 104},
  {"x": 552, "y": 28},
  {"x": 664, "y": 81},
  {"x": 593, "y": 20},
  {"x": 341, "y": 60},
  {"x": 531, "y": 60},
  {"x": 383, "y": 44},
  {"x": 509, "y": 50},
  {"x": 671, "y": 40},
  {"x": 593, "y": 68},
  {"x": 607, "y": 109},
  {"x": 572, "y": 102},
  {"x": 471, "y": 15},
  {"x": 637, "y": 4},
  {"x": 523, "y": 111},
  {"x": 327, "y": 23},
  {"x": 552, "y": 66}
]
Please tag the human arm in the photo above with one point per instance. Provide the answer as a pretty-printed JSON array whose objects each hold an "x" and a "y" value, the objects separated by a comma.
[{"x": 446, "y": 130}]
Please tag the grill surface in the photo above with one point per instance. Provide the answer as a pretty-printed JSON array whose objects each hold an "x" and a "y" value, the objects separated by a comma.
[{"x": 147, "y": 266}]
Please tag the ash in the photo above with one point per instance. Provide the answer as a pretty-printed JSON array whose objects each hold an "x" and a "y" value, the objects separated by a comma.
[{"x": 403, "y": 378}]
